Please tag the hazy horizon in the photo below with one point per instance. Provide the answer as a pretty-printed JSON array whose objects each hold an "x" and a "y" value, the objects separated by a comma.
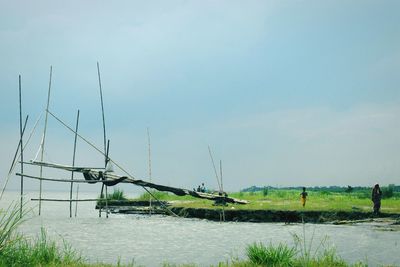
[{"x": 298, "y": 93}]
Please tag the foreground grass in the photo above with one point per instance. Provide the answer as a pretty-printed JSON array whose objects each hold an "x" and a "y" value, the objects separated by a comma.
[
  {"x": 39, "y": 252},
  {"x": 17, "y": 250},
  {"x": 283, "y": 256}
]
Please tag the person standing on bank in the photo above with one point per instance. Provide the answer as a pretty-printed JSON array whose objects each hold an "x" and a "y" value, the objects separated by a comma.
[
  {"x": 303, "y": 195},
  {"x": 376, "y": 197}
]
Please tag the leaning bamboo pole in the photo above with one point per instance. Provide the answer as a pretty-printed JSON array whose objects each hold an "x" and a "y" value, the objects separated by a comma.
[
  {"x": 44, "y": 138},
  {"x": 73, "y": 165},
  {"x": 21, "y": 145},
  {"x": 104, "y": 138},
  {"x": 215, "y": 169},
  {"x": 14, "y": 159},
  {"x": 14, "y": 164}
]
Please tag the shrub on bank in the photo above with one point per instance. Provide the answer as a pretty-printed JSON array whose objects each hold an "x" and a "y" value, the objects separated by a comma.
[
  {"x": 118, "y": 194},
  {"x": 280, "y": 255}
]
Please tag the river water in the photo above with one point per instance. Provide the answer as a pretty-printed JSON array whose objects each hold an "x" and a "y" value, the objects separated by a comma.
[{"x": 153, "y": 240}]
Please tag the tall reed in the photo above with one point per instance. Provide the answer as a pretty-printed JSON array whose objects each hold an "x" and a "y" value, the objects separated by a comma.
[
  {"x": 16, "y": 250},
  {"x": 9, "y": 221}
]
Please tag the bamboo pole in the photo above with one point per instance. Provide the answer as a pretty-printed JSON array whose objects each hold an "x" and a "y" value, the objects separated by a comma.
[
  {"x": 222, "y": 189},
  {"x": 149, "y": 148},
  {"x": 14, "y": 161},
  {"x": 73, "y": 165},
  {"x": 102, "y": 107},
  {"x": 215, "y": 169},
  {"x": 220, "y": 175},
  {"x": 103, "y": 186},
  {"x": 104, "y": 134},
  {"x": 21, "y": 145},
  {"x": 108, "y": 149},
  {"x": 64, "y": 180},
  {"x": 63, "y": 200},
  {"x": 76, "y": 203},
  {"x": 44, "y": 139}
]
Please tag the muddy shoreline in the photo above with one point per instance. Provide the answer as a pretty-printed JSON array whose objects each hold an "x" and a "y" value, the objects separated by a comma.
[
  {"x": 280, "y": 216},
  {"x": 259, "y": 216}
]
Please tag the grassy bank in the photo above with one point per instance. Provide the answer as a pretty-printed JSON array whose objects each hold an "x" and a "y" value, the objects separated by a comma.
[{"x": 286, "y": 199}]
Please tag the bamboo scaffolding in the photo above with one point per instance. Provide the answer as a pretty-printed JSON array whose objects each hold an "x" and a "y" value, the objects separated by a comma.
[
  {"x": 73, "y": 165},
  {"x": 107, "y": 180},
  {"x": 133, "y": 180},
  {"x": 44, "y": 138}
]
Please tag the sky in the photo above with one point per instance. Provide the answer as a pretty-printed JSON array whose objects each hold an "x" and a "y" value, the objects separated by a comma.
[{"x": 285, "y": 93}]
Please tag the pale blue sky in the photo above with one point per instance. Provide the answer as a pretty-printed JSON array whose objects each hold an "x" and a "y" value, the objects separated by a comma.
[{"x": 285, "y": 92}]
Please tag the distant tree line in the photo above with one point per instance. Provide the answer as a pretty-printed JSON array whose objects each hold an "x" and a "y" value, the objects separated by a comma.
[{"x": 388, "y": 191}]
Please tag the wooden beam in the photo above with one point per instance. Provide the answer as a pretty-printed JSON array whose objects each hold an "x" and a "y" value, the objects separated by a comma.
[{"x": 64, "y": 180}]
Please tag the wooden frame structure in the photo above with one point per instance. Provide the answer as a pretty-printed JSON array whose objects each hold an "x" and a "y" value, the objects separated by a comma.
[{"x": 100, "y": 175}]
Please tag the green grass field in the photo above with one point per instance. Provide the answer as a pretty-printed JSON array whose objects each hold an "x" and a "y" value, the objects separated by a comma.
[{"x": 280, "y": 199}]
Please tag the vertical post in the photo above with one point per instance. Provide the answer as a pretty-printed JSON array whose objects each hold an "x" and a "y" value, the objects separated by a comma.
[
  {"x": 73, "y": 165},
  {"x": 43, "y": 141},
  {"x": 149, "y": 148},
  {"x": 21, "y": 145},
  {"x": 103, "y": 186},
  {"x": 101, "y": 198},
  {"x": 107, "y": 151},
  {"x": 220, "y": 175},
  {"x": 106, "y": 202},
  {"x": 222, "y": 190},
  {"x": 76, "y": 204}
]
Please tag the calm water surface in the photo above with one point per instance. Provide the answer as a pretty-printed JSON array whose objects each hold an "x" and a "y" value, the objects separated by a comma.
[{"x": 150, "y": 241}]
